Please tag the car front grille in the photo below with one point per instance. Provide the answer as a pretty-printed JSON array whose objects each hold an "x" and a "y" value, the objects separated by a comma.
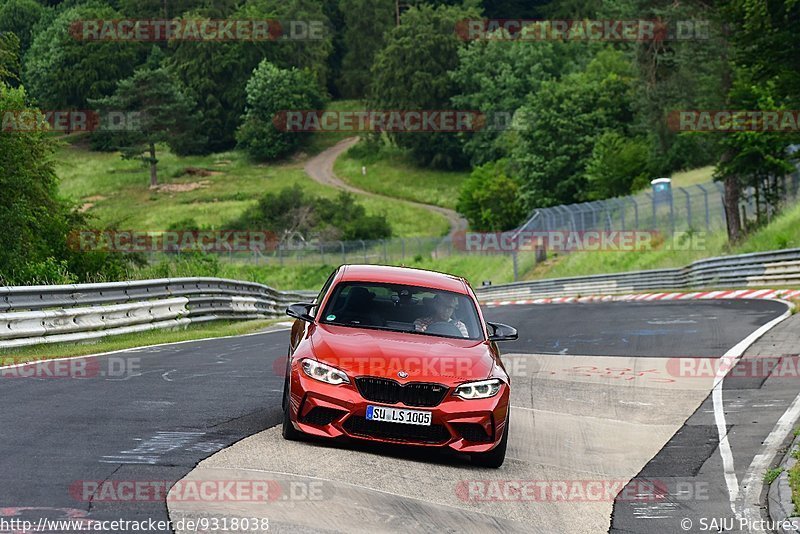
[
  {"x": 361, "y": 426},
  {"x": 390, "y": 392}
]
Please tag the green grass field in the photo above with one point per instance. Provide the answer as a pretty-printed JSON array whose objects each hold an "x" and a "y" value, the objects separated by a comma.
[
  {"x": 211, "y": 189},
  {"x": 392, "y": 174},
  {"x": 693, "y": 177}
]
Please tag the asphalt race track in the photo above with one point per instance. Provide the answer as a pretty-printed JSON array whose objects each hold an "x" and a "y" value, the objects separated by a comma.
[{"x": 593, "y": 399}]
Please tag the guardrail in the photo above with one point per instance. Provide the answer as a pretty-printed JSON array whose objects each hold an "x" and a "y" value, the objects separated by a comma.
[
  {"x": 775, "y": 268},
  {"x": 31, "y": 315}
]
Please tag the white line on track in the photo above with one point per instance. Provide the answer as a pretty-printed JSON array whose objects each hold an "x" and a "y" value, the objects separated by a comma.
[
  {"x": 726, "y": 363},
  {"x": 752, "y": 484}
]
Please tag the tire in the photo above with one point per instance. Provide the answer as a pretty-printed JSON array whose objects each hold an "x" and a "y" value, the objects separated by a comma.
[
  {"x": 495, "y": 457},
  {"x": 288, "y": 431}
]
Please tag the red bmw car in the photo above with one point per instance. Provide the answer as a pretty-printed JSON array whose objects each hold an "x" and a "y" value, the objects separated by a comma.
[{"x": 398, "y": 355}]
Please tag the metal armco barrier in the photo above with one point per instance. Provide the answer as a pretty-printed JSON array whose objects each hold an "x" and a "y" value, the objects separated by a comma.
[
  {"x": 31, "y": 315},
  {"x": 775, "y": 268}
]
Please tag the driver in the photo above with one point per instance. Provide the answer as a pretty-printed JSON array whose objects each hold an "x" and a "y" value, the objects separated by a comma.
[{"x": 444, "y": 305}]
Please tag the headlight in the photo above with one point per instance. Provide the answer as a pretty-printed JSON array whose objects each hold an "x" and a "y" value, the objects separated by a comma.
[
  {"x": 478, "y": 390},
  {"x": 324, "y": 373}
]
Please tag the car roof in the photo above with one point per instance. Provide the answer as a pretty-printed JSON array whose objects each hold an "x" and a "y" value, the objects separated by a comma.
[{"x": 403, "y": 275}]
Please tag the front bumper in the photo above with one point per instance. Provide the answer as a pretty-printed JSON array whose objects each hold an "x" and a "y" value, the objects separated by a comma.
[{"x": 325, "y": 410}]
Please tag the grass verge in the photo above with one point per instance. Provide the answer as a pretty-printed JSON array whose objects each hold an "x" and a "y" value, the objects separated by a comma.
[
  {"x": 391, "y": 173},
  {"x": 794, "y": 479},
  {"x": 128, "y": 341}
]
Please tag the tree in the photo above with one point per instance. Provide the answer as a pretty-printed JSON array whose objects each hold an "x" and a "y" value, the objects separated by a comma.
[
  {"x": 64, "y": 72},
  {"x": 756, "y": 159},
  {"x": 489, "y": 199},
  {"x": 167, "y": 9},
  {"x": 9, "y": 58},
  {"x": 760, "y": 47},
  {"x": 19, "y": 17},
  {"x": 36, "y": 222},
  {"x": 164, "y": 111},
  {"x": 366, "y": 22},
  {"x": 216, "y": 73},
  {"x": 411, "y": 73},
  {"x": 33, "y": 219},
  {"x": 495, "y": 77},
  {"x": 765, "y": 43},
  {"x": 272, "y": 90},
  {"x": 562, "y": 123},
  {"x": 617, "y": 167}
]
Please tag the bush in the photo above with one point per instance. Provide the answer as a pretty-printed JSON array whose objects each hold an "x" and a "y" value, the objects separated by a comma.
[
  {"x": 490, "y": 200},
  {"x": 269, "y": 91},
  {"x": 618, "y": 166},
  {"x": 293, "y": 210}
]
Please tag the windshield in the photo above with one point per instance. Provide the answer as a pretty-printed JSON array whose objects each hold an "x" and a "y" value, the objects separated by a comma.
[{"x": 403, "y": 308}]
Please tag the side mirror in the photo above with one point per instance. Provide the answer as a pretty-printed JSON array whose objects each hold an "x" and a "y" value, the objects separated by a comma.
[
  {"x": 501, "y": 332},
  {"x": 301, "y": 311}
]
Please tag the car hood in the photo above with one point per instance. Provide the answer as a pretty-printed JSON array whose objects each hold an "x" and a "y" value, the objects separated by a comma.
[{"x": 426, "y": 358}]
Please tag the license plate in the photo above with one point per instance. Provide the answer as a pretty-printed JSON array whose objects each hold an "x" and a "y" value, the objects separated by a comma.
[{"x": 398, "y": 415}]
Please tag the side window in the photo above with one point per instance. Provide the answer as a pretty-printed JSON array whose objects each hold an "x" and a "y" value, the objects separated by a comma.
[{"x": 322, "y": 292}]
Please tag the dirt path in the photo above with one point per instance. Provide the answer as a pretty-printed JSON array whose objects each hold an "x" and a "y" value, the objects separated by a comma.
[{"x": 320, "y": 169}]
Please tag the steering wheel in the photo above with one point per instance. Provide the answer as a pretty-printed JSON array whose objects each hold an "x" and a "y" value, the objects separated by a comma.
[{"x": 444, "y": 328}]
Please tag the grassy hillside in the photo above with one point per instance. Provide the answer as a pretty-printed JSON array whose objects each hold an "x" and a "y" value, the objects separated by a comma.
[
  {"x": 211, "y": 189},
  {"x": 782, "y": 232},
  {"x": 693, "y": 177},
  {"x": 392, "y": 174}
]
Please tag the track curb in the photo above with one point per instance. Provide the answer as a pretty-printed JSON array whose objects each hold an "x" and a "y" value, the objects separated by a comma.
[{"x": 766, "y": 294}]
